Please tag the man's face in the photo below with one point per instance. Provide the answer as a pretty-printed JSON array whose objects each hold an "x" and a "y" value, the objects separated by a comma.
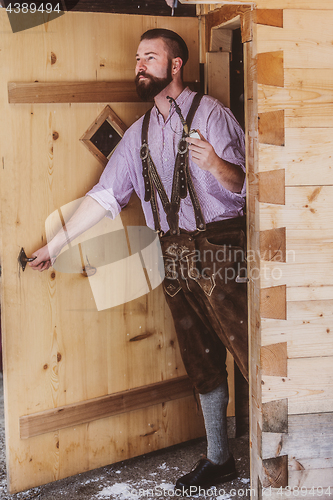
[{"x": 153, "y": 68}]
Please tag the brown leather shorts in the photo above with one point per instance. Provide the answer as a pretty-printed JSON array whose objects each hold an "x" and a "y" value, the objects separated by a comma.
[{"x": 205, "y": 287}]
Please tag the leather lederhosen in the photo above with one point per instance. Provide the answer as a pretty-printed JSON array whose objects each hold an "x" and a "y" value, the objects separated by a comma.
[{"x": 206, "y": 290}]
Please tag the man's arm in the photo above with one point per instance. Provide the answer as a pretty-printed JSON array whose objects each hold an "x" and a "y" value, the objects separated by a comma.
[
  {"x": 203, "y": 154},
  {"x": 87, "y": 215}
]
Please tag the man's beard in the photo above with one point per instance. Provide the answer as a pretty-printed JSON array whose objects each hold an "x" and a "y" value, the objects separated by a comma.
[{"x": 152, "y": 86}]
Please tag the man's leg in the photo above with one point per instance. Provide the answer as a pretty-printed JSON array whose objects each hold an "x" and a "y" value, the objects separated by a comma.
[
  {"x": 189, "y": 295},
  {"x": 204, "y": 357},
  {"x": 214, "y": 408}
]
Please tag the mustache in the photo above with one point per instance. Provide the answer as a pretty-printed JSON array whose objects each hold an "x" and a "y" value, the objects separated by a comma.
[{"x": 142, "y": 73}]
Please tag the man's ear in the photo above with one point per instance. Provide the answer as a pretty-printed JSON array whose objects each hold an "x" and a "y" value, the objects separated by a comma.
[{"x": 177, "y": 63}]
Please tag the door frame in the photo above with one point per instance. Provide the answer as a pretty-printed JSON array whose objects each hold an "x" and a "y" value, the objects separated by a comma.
[{"x": 246, "y": 16}]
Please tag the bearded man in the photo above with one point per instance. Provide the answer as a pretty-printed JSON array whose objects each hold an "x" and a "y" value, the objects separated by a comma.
[{"x": 189, "y": 174}]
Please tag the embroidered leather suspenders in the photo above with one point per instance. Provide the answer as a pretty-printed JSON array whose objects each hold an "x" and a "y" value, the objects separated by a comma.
[{"x": 182, "y": 181}]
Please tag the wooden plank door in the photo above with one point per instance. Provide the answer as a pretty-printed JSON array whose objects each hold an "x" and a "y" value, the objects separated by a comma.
[{"x": 60, "y": 352}]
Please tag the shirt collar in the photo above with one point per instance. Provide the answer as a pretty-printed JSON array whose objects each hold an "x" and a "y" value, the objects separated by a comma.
[
  {"x": 183, "y": 96},
  {"x": 181, "y": 99}
]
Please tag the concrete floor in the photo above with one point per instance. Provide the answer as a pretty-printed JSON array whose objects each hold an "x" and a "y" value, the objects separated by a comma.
[{"x": 154, "y": 474}]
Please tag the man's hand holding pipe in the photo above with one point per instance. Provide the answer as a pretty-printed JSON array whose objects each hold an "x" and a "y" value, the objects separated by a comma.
[{"x": 203, "y": 154}]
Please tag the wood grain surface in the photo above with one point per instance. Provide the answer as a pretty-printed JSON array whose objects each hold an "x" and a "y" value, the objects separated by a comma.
[{"x": 58, "y": 348}]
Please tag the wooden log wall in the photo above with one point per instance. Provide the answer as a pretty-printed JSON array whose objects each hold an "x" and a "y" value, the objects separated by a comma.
[
  {"x": 289, "y": 84},
  {"x": 295, "y": 79}
]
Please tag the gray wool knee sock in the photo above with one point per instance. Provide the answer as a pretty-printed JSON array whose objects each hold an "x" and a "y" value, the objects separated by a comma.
[{"x": 214, "y": 407}]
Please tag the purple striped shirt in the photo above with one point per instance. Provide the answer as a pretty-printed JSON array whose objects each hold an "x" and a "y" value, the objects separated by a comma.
[{"x": 123, "y": 173}]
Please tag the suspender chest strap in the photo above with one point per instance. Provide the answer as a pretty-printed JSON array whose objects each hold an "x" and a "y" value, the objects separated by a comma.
[{"x": 182, "y": 182}]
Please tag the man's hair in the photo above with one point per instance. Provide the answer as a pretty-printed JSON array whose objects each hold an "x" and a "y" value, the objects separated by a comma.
[{"x": 176, "y": 45}]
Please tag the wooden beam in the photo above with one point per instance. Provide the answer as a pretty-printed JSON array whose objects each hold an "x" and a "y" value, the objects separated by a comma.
[
  {"x": 318, "y": 110},
  {"x": 270, "y": 17},
  {"x": 297, "y": 275},
  {"x": 272, "y": 187},
  {"x": 292, "y": 99},
  {"x": 275, "y": 472},
  {"x": 273, "y": 244},
  {"x": 271, "y": 127},
  {"x": 300, "y": 336},
  {"x": 270, "y": 68},
  {"x": 304, "y": 148},
  {"x": 139, "y": 7},
  {"x": 275, "y": 416},
  {"x": 273, "y": 302},
  {"x": 274, "y": 360},
  {"x": 312, "y": 480},
  {"x": 309, "y": 441},
  {"x": 103, "y": 407},
  {"x": 272, "y": 4},
  {"x": 311, "y": 463},
  {"x": 308, "y": 387},
  {"x": 247, "y": 20},
  {"x": 306, "y": 208},
  {"x": 70, "y": 92},
  {"x": 305, "y": 38}
]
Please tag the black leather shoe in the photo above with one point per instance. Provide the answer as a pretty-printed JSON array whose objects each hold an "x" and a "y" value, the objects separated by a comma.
[{"x": 205, "y": 474}]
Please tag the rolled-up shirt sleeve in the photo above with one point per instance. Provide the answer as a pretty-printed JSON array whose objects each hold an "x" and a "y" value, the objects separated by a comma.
[{"x": 115, "y": 187}]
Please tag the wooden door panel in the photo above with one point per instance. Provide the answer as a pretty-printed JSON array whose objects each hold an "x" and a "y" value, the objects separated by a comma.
[{"x": 58, "y": 349}]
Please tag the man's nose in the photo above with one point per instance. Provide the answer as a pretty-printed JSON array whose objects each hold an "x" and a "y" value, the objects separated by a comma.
[{"x": 140, "y": 66}]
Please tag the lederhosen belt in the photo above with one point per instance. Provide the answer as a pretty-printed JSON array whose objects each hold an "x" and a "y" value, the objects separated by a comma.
[{"x": 182, "y": 182}]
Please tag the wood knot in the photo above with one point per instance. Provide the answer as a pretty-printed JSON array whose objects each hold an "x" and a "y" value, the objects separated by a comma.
[
  {"x": 149, "y": 433},
  {"x": 53, "y": 58},
  {"x": 59, "y": 357},
  {"x": 53, "y": 275},
  {"x": 55, "y": 136},
  {"x": 141, "y": 337},
  {"x": 45, "y": 367}
]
